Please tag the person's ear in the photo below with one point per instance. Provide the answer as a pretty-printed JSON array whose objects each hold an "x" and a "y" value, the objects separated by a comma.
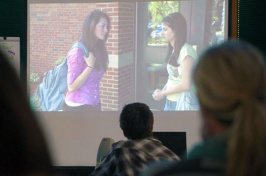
[
  {"x": 210, "y": 124},
  {"x": 207, "y": 125}
]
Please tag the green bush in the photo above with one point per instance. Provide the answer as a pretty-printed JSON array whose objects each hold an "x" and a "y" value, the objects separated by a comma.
[
  {"x": 34, "y": 77},
  {"x": 59, "y": 61},
  {"x": 35, "y": 102}
]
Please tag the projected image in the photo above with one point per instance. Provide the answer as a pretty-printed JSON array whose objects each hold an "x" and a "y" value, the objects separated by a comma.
[
  {"x": 177, "y": 33},
  {"x": 180, "y": 59},
  {"x": 101, "y": 56},
  {"x": 54, "y": 29}
]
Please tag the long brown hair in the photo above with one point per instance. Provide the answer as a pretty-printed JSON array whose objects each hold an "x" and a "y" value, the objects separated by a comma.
[
  {"x": 88, "y": 38},
  {"x": 231, "y": 82},
  {"x": 177, "y": 22}
]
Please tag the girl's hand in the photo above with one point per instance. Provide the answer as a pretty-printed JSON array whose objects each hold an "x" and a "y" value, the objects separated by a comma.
[
  {"x": 155, "y": 93},
  {"x": 158, "y": 95},
  {"x": 90, "y": 61}
]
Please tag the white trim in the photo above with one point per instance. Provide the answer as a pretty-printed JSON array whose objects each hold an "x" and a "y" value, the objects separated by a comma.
[{"x": 118, "y": 61}]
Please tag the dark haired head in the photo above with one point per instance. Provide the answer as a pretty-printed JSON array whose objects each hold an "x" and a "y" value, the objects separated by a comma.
[
  {"x": 177, "y": 22},
  {"x": 88, "y": 38},
  {"x": 136, "y": 121}
]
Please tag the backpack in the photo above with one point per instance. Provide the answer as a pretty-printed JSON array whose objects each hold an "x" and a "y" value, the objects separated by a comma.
[{"x": 51, "y": 92}]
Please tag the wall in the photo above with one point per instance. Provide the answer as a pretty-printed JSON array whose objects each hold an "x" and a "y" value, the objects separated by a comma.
[
  {"x": 65, "y": 133},
  {"x": 13, "y": 23}
]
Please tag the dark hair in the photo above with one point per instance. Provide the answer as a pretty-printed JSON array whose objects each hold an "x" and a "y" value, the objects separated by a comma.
[
  {"x": 136, "y": 121},
  {"x": 23, "y": 148},
  {"x": 88, "y": 38},
  {"x": 177, "y": 22}
]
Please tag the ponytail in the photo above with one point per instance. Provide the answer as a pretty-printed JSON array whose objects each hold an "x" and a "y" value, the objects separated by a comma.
[{"x": 246, "y": 152}]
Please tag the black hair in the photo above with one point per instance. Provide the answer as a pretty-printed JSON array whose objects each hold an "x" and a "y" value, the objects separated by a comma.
[
  {"x": 136, "y": 121},
  {"x": 177, "y": 22},
  {"x": 88, "y": 38}
]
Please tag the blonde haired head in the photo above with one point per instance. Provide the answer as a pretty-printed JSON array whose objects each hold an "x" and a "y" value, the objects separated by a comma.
[{"x": 231, "y": 83}]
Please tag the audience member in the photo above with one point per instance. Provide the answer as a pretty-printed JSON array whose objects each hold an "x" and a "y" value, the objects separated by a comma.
[
  {"x": 231, "y": 87},
  {"x": 23, "y": 150},
  {"x": 130, "y": 157}
]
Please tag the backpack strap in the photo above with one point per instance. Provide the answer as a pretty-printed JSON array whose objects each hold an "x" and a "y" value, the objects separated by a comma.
[{"x": 80, "y": 46}]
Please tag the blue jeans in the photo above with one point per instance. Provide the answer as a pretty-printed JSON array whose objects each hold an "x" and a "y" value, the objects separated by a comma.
[{"x": 170, "y": 105}]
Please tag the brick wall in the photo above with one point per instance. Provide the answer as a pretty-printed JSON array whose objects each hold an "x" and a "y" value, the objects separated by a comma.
[
  {"x": 54, "y": 28},
  {"x": 115, "y": 93},
  {"x": 126, "y": 85},
  {"x": 126, "y": 27},
  {"x": 126, "y": 45},
  {"x": 109, "y": 90}
]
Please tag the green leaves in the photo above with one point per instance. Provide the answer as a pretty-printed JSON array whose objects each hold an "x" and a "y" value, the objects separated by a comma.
[{"x": 160, "y": 9}]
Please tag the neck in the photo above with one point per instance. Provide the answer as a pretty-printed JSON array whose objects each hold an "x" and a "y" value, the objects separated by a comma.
[{"x": 172, "y": 43}]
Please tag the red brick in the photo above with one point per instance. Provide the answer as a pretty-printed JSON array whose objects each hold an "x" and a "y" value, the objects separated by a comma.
[
  {"x": 103, "y": 97},
  {"x": 112, "y": 97},
  {"x": 103, "y": 88},
  {"x": 113, "y": 5},
  {"x": 103, "y": 104},
  {"x": 101, "y": 5},
  {"x": 112, "y": 106},
  {"x": 107, "y": 76},
  {"x": 113, "y": 14},
  {"x": 108, "y": 10},
  {"x": 113, "y": 81},
  {"x": 107, "y": 93},
  {"x": 107, "y": 85},
  {"x": 113, "y": 40},
  {"x": 112, "y": 90},
  {"x": 113, "y": 73},
  {"x": 107, "y": 101}
]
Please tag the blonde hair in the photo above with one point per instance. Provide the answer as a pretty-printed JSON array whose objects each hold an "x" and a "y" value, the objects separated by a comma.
[{"x": 231, "y": 83}]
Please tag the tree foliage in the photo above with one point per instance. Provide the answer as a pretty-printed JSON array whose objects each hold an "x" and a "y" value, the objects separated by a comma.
[
  {"x": 218, "y": 14},
  {"x": 160, "y": 9}
]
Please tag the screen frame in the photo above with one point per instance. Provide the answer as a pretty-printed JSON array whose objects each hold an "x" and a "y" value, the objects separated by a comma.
[{"x": 76, "y": 126}]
